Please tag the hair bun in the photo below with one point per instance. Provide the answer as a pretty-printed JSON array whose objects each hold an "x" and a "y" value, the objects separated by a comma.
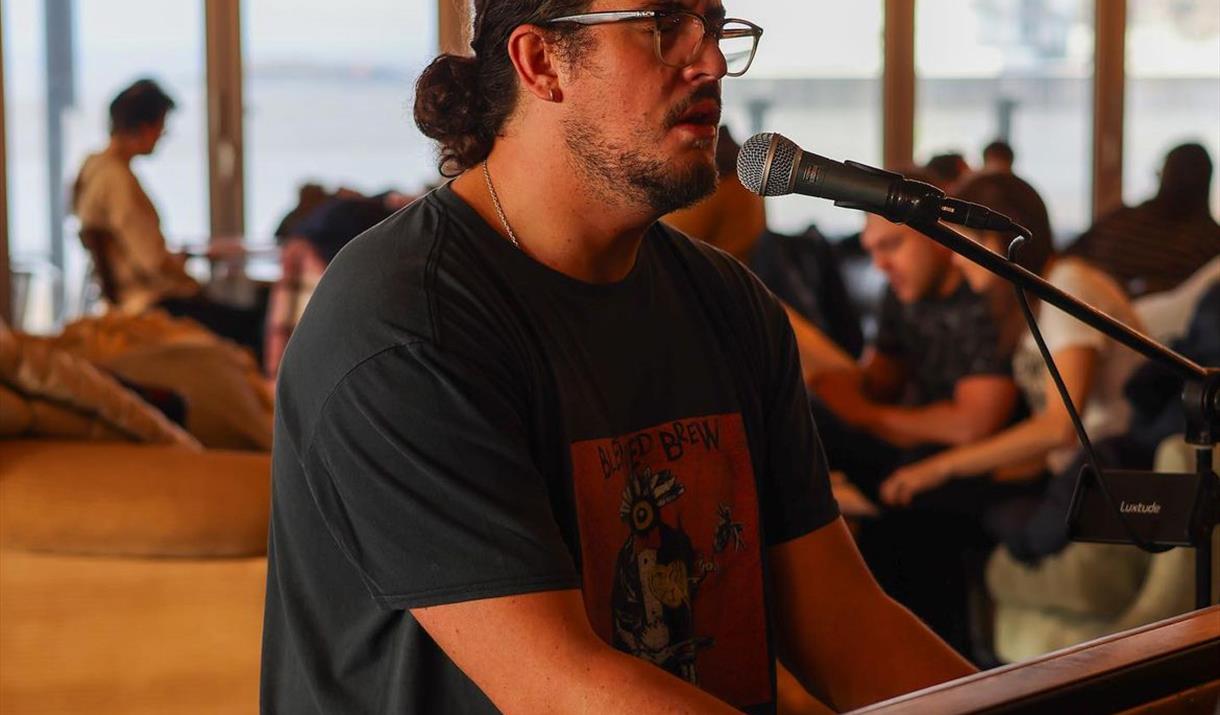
[{"x": 449, "y": 109}]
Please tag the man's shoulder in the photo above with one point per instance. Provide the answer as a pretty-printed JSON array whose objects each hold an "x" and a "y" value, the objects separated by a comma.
[
  {"x": 391, "y": 286},
  {"x": 102, "y": 171}
]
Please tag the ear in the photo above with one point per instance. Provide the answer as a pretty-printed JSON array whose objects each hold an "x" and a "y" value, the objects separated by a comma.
[{"x": 535, "y": 61}]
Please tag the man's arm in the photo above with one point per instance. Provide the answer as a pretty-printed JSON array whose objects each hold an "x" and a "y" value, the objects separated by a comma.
[
  {"x": 847, "y": 641},
  {"x": 882, "y": 375},
  {"x": 537, "y": 653},
  {"x": 1014, "y": 447},
  {"x": 981, "y": 405}
]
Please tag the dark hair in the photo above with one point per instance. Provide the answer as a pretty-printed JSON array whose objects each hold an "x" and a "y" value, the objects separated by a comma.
[
  {"x": 462, "y": 102},
  {"x": 948, "y": 168},
  {"x": 141, "y": 104},
  {"x": 1015, "y": 198},
  {"x": 1001, "y": 150},
  {"x": 915, "y": 172},
  {"x": 1185, "y": 182}
]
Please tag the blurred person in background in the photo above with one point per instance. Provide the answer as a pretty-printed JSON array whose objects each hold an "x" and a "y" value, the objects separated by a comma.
[
  {"x": 948, "y": 168},
  {"x": 108, "y": 196},
  {"x": 998, "y": 156},
  {"x": 1094, "y": 367},
  {"x": 802, "y": 271},
  {"x": 310, "y": 236},
  {"x": 122, "y": 229},
  {"x": 937, "y": 375},
  {"x": 1156, "y": 245}
]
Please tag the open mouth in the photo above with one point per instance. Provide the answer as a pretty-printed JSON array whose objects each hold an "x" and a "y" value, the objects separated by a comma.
[{"x": 702, "y": 114}]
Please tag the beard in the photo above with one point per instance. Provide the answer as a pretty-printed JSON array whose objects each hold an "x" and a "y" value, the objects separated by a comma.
[{"x": 626, "y": 174}]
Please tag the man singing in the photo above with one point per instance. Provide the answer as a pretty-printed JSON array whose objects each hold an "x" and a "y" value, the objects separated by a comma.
[{"x": 537, "y": 453}]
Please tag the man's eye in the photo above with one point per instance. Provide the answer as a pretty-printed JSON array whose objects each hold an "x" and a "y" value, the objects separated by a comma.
[{"x": 669, "y": 25}]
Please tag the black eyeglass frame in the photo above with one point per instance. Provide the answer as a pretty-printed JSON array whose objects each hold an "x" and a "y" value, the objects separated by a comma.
[{"x": 608, "y": 17}]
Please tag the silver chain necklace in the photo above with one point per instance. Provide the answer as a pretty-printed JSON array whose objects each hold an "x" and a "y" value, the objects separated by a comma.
[{"x": 495, "y": 199}]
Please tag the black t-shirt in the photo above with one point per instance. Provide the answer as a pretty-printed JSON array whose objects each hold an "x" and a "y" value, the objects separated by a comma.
[
  {"x": 456, "y": 421},
  {"x": 940, "y": 341}
]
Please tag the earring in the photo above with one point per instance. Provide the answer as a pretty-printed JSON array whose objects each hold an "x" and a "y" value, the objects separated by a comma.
[{"x": 554, "y": 95}]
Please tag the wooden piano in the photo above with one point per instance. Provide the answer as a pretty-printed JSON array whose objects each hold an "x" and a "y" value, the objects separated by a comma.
[{"x": 1167, "y": 668}]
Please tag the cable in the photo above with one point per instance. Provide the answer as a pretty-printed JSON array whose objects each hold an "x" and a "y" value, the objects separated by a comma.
[{"x": 1086, "y": 444}]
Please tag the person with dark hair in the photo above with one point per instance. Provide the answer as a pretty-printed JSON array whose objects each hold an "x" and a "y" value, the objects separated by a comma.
[
  {"x": 109, "y": 200},
  {"x": 108, "y": 197},
  {"x": 1155, "y": 246},
  {"x": 998, "y": 156},
  {"x": 936, "y": 373},
  {"x": 948, "y": 169},
  {"x": 536, "y": 452},
  {"x": 802, "y": 271},
  {"x": 1093, "y": 366},
  {"x": 310, "y": 236}
]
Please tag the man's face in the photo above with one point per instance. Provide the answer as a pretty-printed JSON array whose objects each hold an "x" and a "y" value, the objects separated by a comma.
[
  {"x": 148, "y": 135},
  {"x": 914, "y": 264},
  {"x": 644, "y": 131}
]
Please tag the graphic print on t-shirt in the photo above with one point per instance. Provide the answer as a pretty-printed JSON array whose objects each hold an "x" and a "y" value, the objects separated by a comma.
[{"x": 671, "y": 552}]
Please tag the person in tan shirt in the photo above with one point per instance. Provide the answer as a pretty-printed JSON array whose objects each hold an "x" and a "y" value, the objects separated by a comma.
[{"x": 108, "y": 197}]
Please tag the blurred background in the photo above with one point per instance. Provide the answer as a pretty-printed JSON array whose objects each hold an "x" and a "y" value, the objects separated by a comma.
[
  {"x": 133, "y": 574},
  {"x": 275, "y": 93}
]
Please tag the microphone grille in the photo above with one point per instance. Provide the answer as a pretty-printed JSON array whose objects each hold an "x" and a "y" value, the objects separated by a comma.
[{"x": 770, "y": 157}]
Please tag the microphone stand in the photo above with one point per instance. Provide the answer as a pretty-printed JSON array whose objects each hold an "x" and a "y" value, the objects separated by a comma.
[{"x": 1200, "y": 397}]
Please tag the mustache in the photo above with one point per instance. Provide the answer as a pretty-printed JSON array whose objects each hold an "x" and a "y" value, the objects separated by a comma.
[{"x": 704, "y": 93}]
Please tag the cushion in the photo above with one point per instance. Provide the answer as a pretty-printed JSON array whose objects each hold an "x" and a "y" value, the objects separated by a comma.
[
  {"x": 38, "y": 372},
  {"x": 132, "y": 500},
  {"x": 224, "y": 409},
  {"x": 228, "y": 403},
  {"x": 1094, "y": 580}
]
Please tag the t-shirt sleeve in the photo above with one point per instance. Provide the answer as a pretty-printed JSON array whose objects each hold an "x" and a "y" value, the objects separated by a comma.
[
  {"x": 795, "y": 495},
  {"x": 1060, "y": 330},
  {"x": 420, "y": 466}
]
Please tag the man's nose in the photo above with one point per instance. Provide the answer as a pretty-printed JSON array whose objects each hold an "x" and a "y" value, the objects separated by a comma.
[{"x": 710, "y": 61}]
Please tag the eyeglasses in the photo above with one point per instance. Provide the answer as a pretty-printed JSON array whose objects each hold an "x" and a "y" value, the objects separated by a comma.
[{"x": 679, "y": 35}]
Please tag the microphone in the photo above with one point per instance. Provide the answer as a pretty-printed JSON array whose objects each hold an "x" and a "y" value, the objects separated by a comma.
[{"x": 770, "y": 164}]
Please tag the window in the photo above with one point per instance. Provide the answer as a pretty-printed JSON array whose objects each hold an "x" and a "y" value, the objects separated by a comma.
[
  {"x": 1173, "y": 88},
  {"x": 25, "y": 111},
  {"x": 118, "y": 42},
  {"x": 1019, "y": 70},
  {"x": 329, "y": 93},
  {"x": 55, "y": 121},
  {"x": 817, "y": 81}
]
